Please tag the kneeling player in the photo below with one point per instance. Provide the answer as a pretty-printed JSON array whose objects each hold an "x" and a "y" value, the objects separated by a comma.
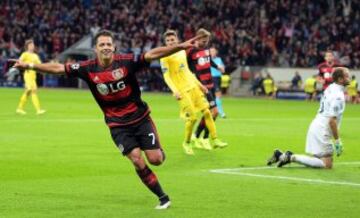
[{"x": 325, "y": 125}]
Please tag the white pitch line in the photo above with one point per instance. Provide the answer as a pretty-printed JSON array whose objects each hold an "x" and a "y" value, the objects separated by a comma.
[
  {"x": 292, "y": 178},
  {"x": 237, "y": 171},
  {"x": 269, "y": 168}
]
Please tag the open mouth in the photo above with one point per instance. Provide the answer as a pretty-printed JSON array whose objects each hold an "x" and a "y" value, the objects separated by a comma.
[{"x": 106, "y": 52}]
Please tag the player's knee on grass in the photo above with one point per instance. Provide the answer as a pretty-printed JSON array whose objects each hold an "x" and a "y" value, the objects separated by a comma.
[{"x": 328, "y": 162}]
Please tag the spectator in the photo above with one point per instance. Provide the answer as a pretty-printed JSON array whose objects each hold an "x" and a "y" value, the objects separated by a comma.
[
  {"x": 269, "y": 86},
  {"x": 296, "y": 81},
  {"x": 310, "y": 88},
  {"x": 257, "y": 87}
]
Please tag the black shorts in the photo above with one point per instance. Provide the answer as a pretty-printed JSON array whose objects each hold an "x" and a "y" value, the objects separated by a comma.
[
  {"x": 210, "y": 96},
  {"x": 309, "y": 94},
  {"x": 217, "y": 83},
  {"x": 141, "y": 135}
]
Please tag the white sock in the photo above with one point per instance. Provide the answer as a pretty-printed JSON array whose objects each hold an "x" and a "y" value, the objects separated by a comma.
[{"x": 307, "y": 161}]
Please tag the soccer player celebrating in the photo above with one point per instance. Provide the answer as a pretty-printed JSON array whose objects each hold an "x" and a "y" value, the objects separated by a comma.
[
  {"x": 325, "y": 125},
  {"x": 30, "y": 57},
  {"x": 188, "y": 91},
  {"x": 327, "y": 68},
  {"x": 200, "y": 63},
  {"x": 112, "y": 81}
]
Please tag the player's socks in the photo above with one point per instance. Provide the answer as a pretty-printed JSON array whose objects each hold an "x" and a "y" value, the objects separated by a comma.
[
  {"x": 219, "y": 107},
  {"x": 200, "y": 127},
  {"x": 210, "y": 124},
  {"x": 35, "y": 101},
  {"x": 307, "y": 161},
  {"x": 150, "y": 180},
  {"x": 22, "y": 101},
  {"x": 189, "y": 125}
]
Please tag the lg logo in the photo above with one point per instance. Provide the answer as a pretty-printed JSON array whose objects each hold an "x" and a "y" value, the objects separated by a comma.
[
  {"x": 105, "y": 89},
  {"x": 203, "y": 60}
]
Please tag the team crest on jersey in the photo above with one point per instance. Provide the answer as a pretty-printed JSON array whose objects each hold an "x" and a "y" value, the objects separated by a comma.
[
  {"x": 121, "y": 147},
  {"x": 102, "y": 89},
  {"x": 96, "y": 79},
  {"x": 75, "y": 66},
  {"x": 118, "y": 74}
]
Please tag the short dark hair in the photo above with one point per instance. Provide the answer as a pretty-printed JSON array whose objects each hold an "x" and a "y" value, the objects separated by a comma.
[
  {"x": 338, "y": 74},
  {"x": 170, "y": 32},
  {"x": 104, "y": 33}
]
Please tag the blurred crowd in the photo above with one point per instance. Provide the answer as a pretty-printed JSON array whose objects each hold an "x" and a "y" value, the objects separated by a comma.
[{"x": 248, "y": 32}]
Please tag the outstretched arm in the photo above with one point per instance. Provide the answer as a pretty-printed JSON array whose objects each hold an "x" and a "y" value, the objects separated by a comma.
[
  {"x": 164, "y": 51},
  {"x": 334, "y": 128},
  {"x": 51, "y": 68}
]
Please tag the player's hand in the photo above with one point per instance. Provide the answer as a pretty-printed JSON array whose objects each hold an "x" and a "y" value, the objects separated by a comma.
[
  {"x": 338, "y": 147},
  {"x": 19, "y": 64},
  {"x": 204, "y": 89},
  {"x": 191, "y": 42},
  {"x": 177, "y": 95},
  {"x": 221, "y": 69}
]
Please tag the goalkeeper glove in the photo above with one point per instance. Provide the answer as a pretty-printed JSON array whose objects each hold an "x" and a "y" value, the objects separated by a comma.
[{"x": 338, "y": 147}]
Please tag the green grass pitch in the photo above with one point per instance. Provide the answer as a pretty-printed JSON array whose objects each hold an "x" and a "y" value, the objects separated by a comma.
[{"x": 64, "y": 163}]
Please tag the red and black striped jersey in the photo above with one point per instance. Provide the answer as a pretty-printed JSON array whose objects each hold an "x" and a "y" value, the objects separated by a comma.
[
  {"x": 114, "y": 88},
  {"x": 200, "y": 63},
  {"x": 325, "y": 72}
]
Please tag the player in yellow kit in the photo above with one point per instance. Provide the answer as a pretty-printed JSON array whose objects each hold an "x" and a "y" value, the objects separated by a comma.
[
  {"x": 30, "y": 57},
  {"x": 188, "y": 91},
  {"x": 352, "y": 90}
]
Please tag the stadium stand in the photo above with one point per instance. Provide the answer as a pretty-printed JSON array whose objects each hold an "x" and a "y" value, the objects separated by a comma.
[{"x": 249, "y": 32}]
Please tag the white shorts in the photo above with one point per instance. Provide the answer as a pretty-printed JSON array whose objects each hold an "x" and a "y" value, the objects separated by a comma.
[{"x": 318, "y": 139}]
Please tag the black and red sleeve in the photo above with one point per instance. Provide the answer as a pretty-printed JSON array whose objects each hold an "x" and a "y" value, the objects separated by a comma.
[
  {"x": 139, "y": 62},
  {"x": 77, "y": 69}
]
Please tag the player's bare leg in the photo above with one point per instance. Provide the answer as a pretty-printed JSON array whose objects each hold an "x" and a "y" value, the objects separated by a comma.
[
  {"x": 309, "y": 161},
  {"x": 147, "y": 176}
]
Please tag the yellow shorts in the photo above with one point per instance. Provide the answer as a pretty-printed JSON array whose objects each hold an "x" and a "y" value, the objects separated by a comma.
[
  {"x": 30, "y": 85},
  {"x": 30, "y": 81},
  {"x": 352, "y": 93},
  {"x": 192, "y": 101}
]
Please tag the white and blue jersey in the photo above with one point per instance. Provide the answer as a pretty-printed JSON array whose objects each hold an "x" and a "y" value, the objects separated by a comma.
[
  {"x": 214, "y": 71},
  {"x": 332, "y": 104}
]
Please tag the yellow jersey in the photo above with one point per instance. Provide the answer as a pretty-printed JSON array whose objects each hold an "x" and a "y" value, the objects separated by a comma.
[
  {"x": 29, "y": 57},
  {"x": 269, "y": 86},
  {"x": 352, "y": 88},
  {"x": 176, "y": 72},
  {"x": 225, "y": 81},
  {"x": 310, "y": 85}
]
